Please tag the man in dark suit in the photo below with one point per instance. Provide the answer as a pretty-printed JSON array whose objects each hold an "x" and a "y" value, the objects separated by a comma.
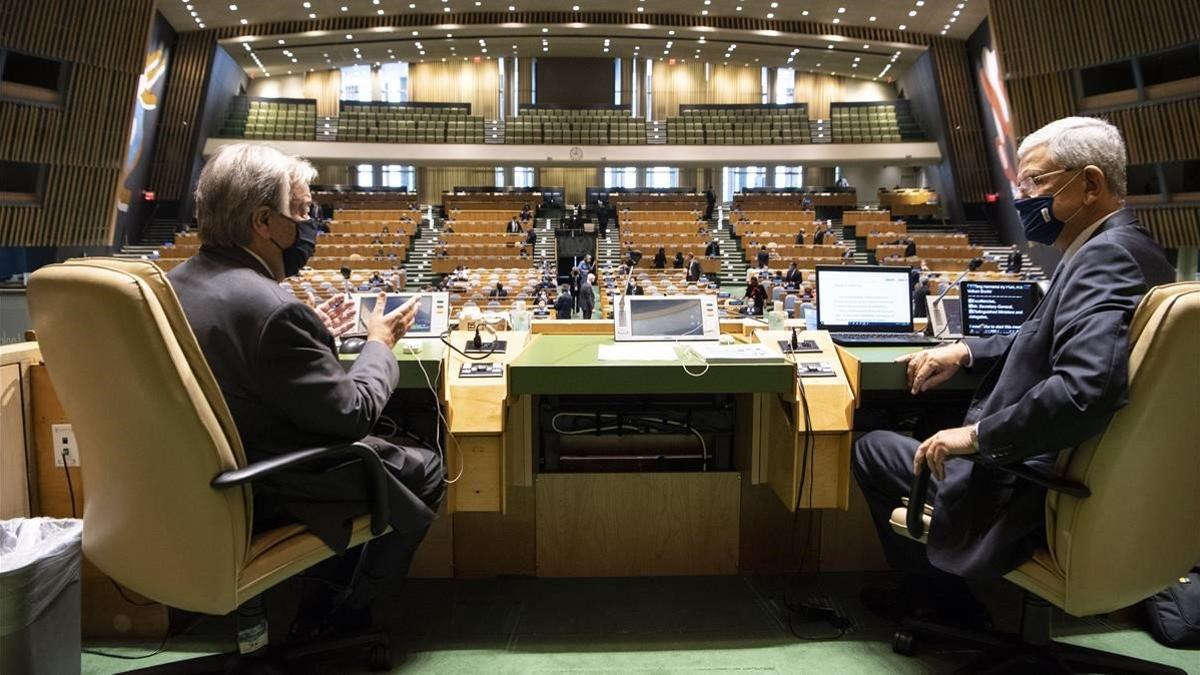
[
  {"x": 1049, "y": 387},
  {"x": 763, "y": 257},
  {"x": 499, "y": 291},
  {"x": 713, "y": 250},
  {"x": 710, "y": 202},
  {"x": 793, "y": 278},
  {"x": 275, "y": 361},
  {"x": 800, "y": 238},
  {"x": 565, "y": 303},
  {"x": 693, "y": 268}
]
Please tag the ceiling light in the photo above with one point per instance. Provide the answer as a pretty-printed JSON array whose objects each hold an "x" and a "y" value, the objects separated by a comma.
[
  {"x": 233, "y": 8},
  {"x": 545, "y": 30},
  {"x": 349, "y": 36},
  {"x": 704, "y": 12},
  {"x": 870, "y": 18},
  {"x": 804, "y": 13},
  {"x": 307, "y": 5},
  {"x": 920, "y": 3},
  {"x": 445, "y": 9},
  {"x": 903, "y": 27},
  {"x": 244, "y": 22},
  {"x": 282, "y": 42},
  {"x": 836, "y": 20},
  {"x": 345, "y": 8},
  {"x": 670, "y": 32},
  {"x": 202, "y": 24},
  {"x": 912, "y": 12},
  {"x": 770, "y": 15},
  {"x": 841, "y": 10},
  {"x": 574, "y": 8},
  {"x": 739, "y": 8}
]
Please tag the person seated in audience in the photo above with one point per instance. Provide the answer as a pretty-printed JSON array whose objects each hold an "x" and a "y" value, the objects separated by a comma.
[
  {"x": 302, "y": 396},
  {"x": 848, "y": 254},
  {"x": 376, "y": 280},
  {"x": 763, "y": 257},
  {"x": 677, "y": 263},
  {"x": 793, "y": 278},
  {"x": 376, "y": 240},
  {"x": 703, "y": 229},
  {"x": 1051, "y": 386},
  {"x": 498, "y": 291},
  {"x": 660, "y": 258},
  {"x": 800, "y": 238},
  {"x": 637, "y": 287},
  {"x": 380, "y": 253},
  {"x": 910, "y": 248},
  {"x": 713, "y": 250},
  {"x": 693, "y": 268},
  {"x": 565, "y": 304},
  {"x": 524, "y": 253},
  {"x": 400, "y": 232},
  {"x": 755, "y": 296},
  {"x": 514, "y": 227},
  {"x": 806, "y": 203},
  {"x": 1014, "y": 262},
  {"x": 526, "y": 214},
  {"x": 384, "y": 230},
  {"x": 442, "y": 252},
  {"x": 920, "y": 290},
  {"x": 449, "y": 228},
  {"x": 824, "y": 235},
  {"x": 530, "y": 237}
]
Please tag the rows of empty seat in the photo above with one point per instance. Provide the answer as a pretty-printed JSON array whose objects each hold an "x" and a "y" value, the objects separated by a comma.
[
  {"x": 874, "y": 122},
  {"x": 740, "y": 124},
  {"x": 553, "y": 126},
  {"x": 408, "y": 123},
  {"x": 270, "y": 119}
]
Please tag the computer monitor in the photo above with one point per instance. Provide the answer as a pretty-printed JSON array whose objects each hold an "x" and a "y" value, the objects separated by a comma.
[
  {"x": 668, "y": 317},
  {"x": 433, "y": 312},
  {"x": 996, "y": 307},
  {"x": 860, "y": 298}
]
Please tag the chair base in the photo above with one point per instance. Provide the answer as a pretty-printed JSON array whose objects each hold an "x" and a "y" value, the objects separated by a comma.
[
  {"x": 282, "y": 660},
  {"x": 1030, "y": 652}
]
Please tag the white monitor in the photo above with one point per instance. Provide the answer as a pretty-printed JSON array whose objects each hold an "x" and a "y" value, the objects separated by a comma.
[
  {"x": 667, "y": 318},
  {"x": 433, "y": 312}
]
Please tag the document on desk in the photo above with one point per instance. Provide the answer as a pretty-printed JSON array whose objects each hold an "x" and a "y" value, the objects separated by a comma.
[{"x": 638, "y": 351}]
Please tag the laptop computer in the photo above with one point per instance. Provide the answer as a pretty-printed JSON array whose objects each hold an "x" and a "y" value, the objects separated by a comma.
[
  {"x": 996, "y": 307},
  {"x": 864, "y": 306}
]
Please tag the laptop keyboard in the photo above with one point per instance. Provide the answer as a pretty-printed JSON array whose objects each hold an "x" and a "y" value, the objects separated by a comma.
[{"x": 883, "y": 339}]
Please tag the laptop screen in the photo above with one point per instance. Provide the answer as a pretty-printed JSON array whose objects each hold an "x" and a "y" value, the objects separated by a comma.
[
  {"x": 422, "y": 323},
  {"x": 862, "y": 298},
  {"x": 996, "y": 307}
]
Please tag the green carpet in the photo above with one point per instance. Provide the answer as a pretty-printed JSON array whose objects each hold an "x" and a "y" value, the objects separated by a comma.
[{"x": 645, "y": 625}]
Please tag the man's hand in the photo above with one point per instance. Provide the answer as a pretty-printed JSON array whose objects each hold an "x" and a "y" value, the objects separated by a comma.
[
  {"x": 337, "y": 313},
  {"x": 388, "y": 328},
  {"x": 934, "y": 451},
  {"x": 931, "y": 367}
]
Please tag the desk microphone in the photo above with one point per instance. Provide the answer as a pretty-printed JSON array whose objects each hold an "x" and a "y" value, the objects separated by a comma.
[
  {"x": 477, "y": 342},
  {"x": 975, "y": 264},
  {"x": 795, "y": 341}
]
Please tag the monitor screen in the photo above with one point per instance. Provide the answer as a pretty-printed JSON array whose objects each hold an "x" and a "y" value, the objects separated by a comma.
[
  {"x": 677, "y": 317},
  {"x": 864, "y": 299},
  {"x": 996, "y": 307},
  {"x": 422, "y": 323}
]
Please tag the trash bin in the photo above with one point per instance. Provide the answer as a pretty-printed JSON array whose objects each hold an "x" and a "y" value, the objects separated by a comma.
[{"x": 39, "y": 595}]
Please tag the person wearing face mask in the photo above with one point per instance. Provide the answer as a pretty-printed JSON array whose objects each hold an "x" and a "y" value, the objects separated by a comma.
[
  {"x": 275, "y": 361},
  {"x": 1049, "y": 387}
]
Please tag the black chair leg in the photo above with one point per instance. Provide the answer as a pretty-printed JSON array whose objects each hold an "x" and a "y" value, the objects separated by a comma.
[{"x": 1032, "y": 651}]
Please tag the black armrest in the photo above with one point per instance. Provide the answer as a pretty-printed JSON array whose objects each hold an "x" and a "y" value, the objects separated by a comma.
[
  {"x": 376, "y": 474},
  {"x": 915, "y": 522}
]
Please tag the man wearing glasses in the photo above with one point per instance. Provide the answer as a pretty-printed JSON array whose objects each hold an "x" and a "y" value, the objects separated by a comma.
[{"x": 1048, "y": 387}]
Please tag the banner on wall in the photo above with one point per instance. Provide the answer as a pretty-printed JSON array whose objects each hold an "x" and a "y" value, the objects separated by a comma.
[
  {"x": 991, "y": 85},
  {"x": 151, "y": 86}
]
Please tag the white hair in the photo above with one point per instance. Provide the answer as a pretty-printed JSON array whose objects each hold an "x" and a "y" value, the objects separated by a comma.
[
  {"x": 1076, "y": 142},
  {"x": 238, "y": 179}
]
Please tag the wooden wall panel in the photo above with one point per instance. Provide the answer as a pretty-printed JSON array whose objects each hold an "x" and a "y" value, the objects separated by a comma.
[
  {"x": 82, "y": 143},
  {"x": 964, "y": 129},
  {"x": 1036, "y": 37},
  {"x": 181, "y": 109},
  {"x": 1160, "y": 132},
  {"x": 1039, "y": 100},
  {"x": 1173, "y": 227}
]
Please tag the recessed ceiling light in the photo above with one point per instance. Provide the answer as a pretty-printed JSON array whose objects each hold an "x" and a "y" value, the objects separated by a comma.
[
  {"x": 311, "y": 15},
  {"x": 282, "y": 42},
  {"x": 307, "y": 5},
  {"x": 836, "y": 20},
  {"x": 545, "y": 30},
  {"x": 574, "y": 8},
  {"x": 871, "y": 18},
  {"x": 512, "y": 8},
  {"x": 912, "y": 12},
  {"x": 770, "y": 15},
  {"x": 345, "y": 8},
  {"x": 670, "y": 32},
  {"x": 804, "y": 13},
  {"x": 233, "y": 8},
  {"x": 920, "y": 3},
  {"x": 841, "y": 10},
  {"x": 903, "y": 27},
  {"x": 244, "y": 22},
  {"x": 704, "y": 12},
  {"x": 379, "y": 11},
  {"x": 349, "y": 36}
]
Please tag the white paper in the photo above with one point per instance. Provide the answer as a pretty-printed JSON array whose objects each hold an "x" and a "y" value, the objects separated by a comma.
[{"x": 641, "y": 351}]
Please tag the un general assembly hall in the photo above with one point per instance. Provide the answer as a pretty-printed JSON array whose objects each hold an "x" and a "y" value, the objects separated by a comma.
[{"x": 600, "y": 336}]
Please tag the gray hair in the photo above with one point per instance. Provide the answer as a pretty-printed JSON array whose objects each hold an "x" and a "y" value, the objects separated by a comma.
[
  {"x": 1076, "y": 142},
  {"x": 238, "y": 179}
]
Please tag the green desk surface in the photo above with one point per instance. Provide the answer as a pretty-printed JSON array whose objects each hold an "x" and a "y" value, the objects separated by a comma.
[
  {"x": 411, "y": 365},
  {"x": 568, "y": 364},
  {"x": 880, "y": 372}
]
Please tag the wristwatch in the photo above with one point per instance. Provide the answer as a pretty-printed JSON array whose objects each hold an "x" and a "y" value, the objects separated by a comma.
[{"x": 975, "y": 437}]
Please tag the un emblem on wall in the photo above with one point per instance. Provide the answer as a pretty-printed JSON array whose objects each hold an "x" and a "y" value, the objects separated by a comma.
[{"x": 576, "y": 153}]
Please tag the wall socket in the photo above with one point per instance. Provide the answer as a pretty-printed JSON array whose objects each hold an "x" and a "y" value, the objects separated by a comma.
[{"x": 66, "y": 450}]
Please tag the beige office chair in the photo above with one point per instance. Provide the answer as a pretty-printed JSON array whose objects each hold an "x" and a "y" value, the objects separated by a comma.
[
  {"x": 168, "y": 506},
  {"x": 1122, "y": 523}
]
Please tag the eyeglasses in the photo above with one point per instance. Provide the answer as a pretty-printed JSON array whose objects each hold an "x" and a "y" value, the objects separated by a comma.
[{"x": 1031, "y": 184}]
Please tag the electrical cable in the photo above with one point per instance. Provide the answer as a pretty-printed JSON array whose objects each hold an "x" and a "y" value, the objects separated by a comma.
[
  {"x": 653, "y": 420},
  {"x": 160, "y": 649},
  {"x": 438, "y": 430}
]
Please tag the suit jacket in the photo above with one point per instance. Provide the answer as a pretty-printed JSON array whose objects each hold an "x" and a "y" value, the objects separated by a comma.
[
  {"x": 1049, "y": 387},
  {"x": 713, "y": 249},
  {"x": 793, "y": 277},
  {"x": 277, "y": 368},
  {"x": 693, "y": 273}
]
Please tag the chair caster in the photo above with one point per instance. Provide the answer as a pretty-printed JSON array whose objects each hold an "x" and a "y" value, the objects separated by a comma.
[
  {"x": 380, "y": 658},
  {"x": 904, "y": 643}
]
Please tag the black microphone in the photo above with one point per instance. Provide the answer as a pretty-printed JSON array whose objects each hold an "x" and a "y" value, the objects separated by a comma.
[
  {"x": 795, "y": 340},
  {"x": 975, "y": 264},
  {"x": 477, "y": 341}
]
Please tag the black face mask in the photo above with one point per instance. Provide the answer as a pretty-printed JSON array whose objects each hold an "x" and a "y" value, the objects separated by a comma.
[{"x": 296, "y": 256}]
